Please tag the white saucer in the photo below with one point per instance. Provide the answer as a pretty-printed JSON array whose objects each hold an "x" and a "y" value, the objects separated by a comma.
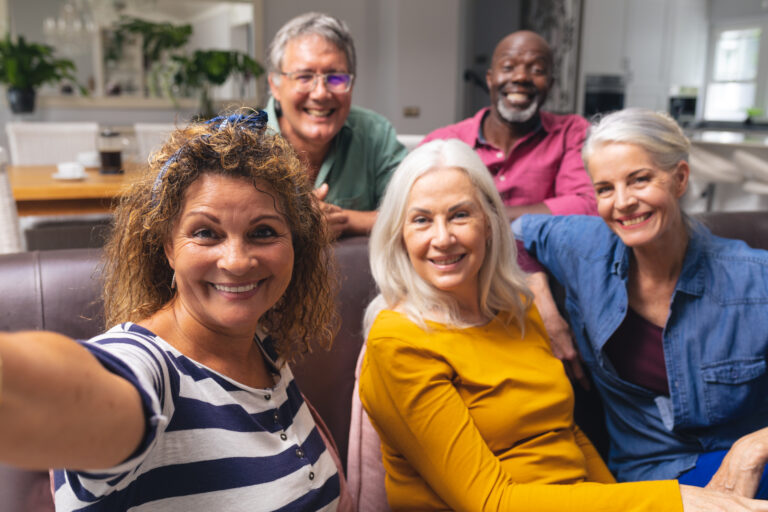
[{"x": 68, "y": 177}]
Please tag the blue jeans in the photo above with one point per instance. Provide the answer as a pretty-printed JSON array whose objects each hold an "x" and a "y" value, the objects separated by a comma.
[{"x": 706, "y": 467}]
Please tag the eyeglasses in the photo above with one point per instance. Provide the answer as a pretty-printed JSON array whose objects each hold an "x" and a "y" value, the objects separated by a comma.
[{"x": 305, "y": 81}]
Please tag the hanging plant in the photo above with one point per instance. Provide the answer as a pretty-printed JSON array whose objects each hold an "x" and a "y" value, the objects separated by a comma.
[
  {"x": 206, "y": 68},
  {"x": 158, "y": 40}
]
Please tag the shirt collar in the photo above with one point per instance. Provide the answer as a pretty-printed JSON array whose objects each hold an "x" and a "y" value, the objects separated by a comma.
[
  {"x": 545, "y": 123},
  {"x": 272, "y": 114},
  {"x": 620, "y": 265},
  {"x": 691, "y": 280}
]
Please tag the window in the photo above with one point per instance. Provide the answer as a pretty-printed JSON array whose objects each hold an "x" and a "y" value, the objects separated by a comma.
[{"x": 732, "y": 87}]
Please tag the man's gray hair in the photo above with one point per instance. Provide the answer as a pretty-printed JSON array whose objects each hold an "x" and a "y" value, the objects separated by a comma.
[{"x": 329, "y": 27}]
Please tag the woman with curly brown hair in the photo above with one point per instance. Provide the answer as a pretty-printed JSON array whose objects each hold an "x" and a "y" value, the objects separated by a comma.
[{"x": 218, "y": 269}]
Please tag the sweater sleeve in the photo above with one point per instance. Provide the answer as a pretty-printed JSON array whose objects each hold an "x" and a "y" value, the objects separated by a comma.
[
  {"x": 597, "y": 471},
  {"x": 409, "y": 395}
]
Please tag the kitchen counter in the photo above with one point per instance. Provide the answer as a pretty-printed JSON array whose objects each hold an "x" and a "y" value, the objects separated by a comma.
[{"x": 737, "y": 139}]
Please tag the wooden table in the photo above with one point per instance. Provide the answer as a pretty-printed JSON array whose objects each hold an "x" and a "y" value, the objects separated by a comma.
[{"x": 37, "y": 193}]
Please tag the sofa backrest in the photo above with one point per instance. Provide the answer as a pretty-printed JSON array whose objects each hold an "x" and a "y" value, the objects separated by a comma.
[
  {"x": 327, "y": 377},
  {"x": 752, "y": 227}
]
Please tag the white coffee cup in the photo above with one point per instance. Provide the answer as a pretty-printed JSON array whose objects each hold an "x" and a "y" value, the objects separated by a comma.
[
  {"x": 70, "y": 170},
  {"x": 89, "y": 158}
]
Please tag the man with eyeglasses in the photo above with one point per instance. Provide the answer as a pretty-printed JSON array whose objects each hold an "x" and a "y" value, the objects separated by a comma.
[{"x": 350, "y": 152}]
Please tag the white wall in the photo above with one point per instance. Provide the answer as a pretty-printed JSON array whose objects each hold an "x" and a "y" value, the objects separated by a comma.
[
  {"x": 210, "y": 29},
  {"x": 726, "y": 10},
  {"x": 486, "y": 23},
  {"x": 690, "y": 20},
  {"x": 428, "y": 72}
]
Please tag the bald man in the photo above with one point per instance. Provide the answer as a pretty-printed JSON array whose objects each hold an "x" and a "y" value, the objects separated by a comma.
[{"x": 534, "y": 156}]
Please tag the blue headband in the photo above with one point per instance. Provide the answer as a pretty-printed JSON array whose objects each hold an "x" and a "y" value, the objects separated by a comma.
[{"x": 254, "y": 121}]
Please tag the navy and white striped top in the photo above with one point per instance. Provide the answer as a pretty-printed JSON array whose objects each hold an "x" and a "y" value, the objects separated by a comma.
[{"x": 211, "y": 443}]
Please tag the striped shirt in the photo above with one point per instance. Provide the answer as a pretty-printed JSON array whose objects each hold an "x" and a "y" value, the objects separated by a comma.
[{"x": 210, "y": 442}]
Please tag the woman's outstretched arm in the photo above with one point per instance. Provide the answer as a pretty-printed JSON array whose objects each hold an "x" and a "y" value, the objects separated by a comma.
[{"x": 59, "y": 407}]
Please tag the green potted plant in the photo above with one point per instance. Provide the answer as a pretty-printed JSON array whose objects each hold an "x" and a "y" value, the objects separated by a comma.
[
  {"x": 206, "y": 68},
  {"x": 26, "y": 66}
]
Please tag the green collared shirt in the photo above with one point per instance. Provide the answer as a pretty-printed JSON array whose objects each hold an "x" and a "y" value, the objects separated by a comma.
[{"x": 360, "y": 161}]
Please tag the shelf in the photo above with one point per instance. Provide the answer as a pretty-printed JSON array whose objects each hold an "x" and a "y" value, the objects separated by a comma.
[{"x": 130, "y": 102}]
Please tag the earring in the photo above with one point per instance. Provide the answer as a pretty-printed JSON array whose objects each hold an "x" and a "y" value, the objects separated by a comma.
[{"x": 173, "y": 281}]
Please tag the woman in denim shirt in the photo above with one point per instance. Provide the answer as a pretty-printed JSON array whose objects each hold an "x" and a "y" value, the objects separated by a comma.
[{"x": 671, "y": 320}]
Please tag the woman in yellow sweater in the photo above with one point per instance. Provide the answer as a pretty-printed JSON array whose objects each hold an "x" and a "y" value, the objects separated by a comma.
[{"x": 473, "y": 410}]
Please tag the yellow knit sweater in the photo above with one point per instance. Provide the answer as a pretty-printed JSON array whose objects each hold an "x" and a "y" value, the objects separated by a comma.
[{"x": 482, "y": 419}]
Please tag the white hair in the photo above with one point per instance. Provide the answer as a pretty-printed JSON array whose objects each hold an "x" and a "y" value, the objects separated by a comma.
[
  {"x": 501, "y": 283},
  {"x": 655, "y": 132}
]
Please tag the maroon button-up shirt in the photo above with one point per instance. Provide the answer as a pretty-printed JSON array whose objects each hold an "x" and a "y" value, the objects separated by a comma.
[{"x": 543, "y": 167}]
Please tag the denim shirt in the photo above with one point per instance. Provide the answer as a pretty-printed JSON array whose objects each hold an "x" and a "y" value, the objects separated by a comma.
[{"x": 715, "y": 342}]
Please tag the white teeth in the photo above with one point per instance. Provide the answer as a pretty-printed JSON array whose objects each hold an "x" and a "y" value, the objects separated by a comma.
[
  {"x": 447, "y": 261},
  {"x": 636, "y": 220},
  {"x": 318, "y": 113},
  {"x": 517, "y": 97},
  {"x": 235, "y": 289}
]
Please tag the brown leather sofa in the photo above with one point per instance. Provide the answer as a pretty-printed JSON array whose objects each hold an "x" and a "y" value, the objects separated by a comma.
[{"x": 58, "y": 290}]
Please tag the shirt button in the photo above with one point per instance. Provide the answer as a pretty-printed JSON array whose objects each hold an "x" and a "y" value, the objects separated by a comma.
[
  {"x": 276, "y": 416},
  {"x": 267, "y": 397},
  {"x": 502, "y": 178},
  {"x": 311, "y": 475},
  {"x": 299, "y": 453},
  {"x": 283, "y": 436},
  {"x": 500, "y": 155}
]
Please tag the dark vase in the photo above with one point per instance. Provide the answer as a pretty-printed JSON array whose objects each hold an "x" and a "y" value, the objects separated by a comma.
[{"x": 21, "y": 100}]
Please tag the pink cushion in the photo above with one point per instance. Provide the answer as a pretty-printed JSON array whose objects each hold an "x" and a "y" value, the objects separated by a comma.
[
  {"x": 365, "y": 471},
  {"x": 346, "y": 500}
]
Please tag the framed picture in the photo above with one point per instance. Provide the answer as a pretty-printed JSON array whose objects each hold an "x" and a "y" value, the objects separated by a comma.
[{"x": 559, "y": 22}]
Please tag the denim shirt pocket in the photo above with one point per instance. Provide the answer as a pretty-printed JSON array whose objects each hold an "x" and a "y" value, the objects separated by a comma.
[{"x": 733, "y": 388}]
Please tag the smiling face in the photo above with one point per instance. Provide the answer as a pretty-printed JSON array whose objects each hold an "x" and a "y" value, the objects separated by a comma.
[
  {"x": 445, "y": 233},
  {"x": 232, "y": 253},
  {"x": 520, "y": 76},
  {"x": 637, "y": 199},
  {"x": 311, "y": 119}
]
